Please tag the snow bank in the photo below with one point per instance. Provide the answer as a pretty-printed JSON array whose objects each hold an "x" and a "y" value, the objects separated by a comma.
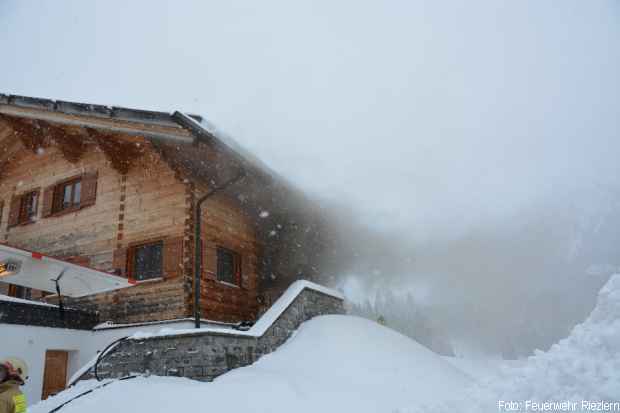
[
  {"x": 348, "y": 364},
  {"x": 332, "y": 364},
  {"x": 583, "y": 366}
]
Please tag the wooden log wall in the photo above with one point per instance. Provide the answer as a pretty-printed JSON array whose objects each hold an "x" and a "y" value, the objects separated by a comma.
[
  {"x": 144, "y": 201},
  {"x": 226, "y": 225}
]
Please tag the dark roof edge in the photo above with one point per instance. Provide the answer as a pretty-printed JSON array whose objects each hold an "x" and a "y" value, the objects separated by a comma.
[{"x": 87, "y": 109}]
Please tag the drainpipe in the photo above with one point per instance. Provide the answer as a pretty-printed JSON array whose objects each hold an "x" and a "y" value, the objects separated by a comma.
[{"x": 197, "y": 242}]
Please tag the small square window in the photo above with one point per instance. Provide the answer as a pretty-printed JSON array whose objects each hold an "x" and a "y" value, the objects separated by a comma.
[
  {"x": 228, "y": 266},
  {"x": 146, "y": 261},
  {"x": 28, "y": 207},
  {"x": 67, "y": 195}
]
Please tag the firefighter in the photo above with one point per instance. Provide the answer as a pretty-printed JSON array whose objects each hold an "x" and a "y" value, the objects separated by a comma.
[{"x": 13, "y": 373}]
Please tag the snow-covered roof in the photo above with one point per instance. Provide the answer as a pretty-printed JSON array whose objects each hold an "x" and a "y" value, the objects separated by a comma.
[
  {"x": 23, "y": 301},
  {"x": 263, "y": 323},
  {"x": 34, "y": 270}
]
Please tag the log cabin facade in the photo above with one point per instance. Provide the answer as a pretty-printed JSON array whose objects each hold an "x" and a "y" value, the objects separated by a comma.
[{"x": 116, "y": 189}]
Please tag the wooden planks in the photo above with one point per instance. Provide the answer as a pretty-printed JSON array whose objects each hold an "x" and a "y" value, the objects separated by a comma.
[{"x": 55, "y": 372}]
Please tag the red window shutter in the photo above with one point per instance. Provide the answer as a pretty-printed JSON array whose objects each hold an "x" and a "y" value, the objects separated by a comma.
[
  {"x": 16, "y": 202},
  {"x": 89, "y": 189},
  {"x": 173, "y": 257},
  {"x": 119, "y": 261},
  {"x": 48, "y": 201}
]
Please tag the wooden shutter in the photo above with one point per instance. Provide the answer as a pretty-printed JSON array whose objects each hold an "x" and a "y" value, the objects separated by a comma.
[
  {"x": 119, "y": 261},
  {"x": 173, "y": 257},
  {"x": 48, "y": 201},
  {"x": 89, "y": 189},
  {"x": 16, "y": 203}
]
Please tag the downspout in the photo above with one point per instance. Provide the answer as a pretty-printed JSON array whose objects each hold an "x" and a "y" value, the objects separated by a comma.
[
  {"x": 202, "y": 135},
  {"x": 198, "y": 244}
]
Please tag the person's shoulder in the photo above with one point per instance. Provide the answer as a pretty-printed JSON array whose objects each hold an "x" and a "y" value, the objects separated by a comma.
[
  {"x": 8, "y": 392},
  {"x": 6, "y": 404}
]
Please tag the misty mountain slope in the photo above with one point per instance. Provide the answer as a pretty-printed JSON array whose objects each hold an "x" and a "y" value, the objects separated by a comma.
[
  {"x": 332, "y": 364},
  {"x": 504, "y": 289}
]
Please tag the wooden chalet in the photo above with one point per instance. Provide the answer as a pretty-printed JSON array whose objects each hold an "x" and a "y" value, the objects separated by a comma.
[{"x": 117, "y": 189}]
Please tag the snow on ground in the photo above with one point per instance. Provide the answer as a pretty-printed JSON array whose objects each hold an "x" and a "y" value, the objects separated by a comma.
[
  {"x": 332, "y": 364},
  {"x": 349, "y": 364},
  {"x": 480, "y": 367}
]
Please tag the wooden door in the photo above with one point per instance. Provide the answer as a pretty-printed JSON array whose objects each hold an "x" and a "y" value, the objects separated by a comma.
[{"x": 55, "y": 372}]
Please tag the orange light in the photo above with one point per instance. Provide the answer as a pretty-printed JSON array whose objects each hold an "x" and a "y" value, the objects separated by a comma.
[{"x": 9, "y": 268}]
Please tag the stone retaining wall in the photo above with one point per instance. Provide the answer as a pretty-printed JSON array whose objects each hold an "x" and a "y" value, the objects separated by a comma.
[{"x": 206, "y": 355}]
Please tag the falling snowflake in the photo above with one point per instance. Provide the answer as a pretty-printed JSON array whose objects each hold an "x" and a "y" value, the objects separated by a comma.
[
  {"x": 263, "y": 214},
  {"x": 273, "y": 233},
  {"x": 40, "y": 151}
]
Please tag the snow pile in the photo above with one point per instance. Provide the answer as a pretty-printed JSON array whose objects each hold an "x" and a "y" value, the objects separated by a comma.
[
  {"x": 349, "y": 364},
  {"x": 583, "y": 366},
  {"x": 332, "y": 364}
]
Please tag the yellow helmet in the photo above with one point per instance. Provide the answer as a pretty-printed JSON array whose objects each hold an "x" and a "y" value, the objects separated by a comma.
[{"x": 16, "y": 368}]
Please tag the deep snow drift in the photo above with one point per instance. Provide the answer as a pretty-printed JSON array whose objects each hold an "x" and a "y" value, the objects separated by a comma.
[
  {"x": 584, "y": 365},
  {"x": 332, "y": 364}
]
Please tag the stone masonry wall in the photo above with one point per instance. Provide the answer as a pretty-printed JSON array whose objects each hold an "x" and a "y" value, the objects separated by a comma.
[{"x": 204, "y": 356}]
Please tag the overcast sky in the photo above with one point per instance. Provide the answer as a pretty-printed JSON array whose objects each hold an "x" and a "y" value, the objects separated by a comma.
[{"x": 439, "y": 119}]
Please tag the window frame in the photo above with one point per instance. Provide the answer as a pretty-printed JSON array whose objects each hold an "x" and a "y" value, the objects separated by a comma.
[
  {"x": 131, "y": 256},
  {"x": 237, "y": 266},
  {"x": 58, "y": 195},
  {"x": 25, "y": 216}
]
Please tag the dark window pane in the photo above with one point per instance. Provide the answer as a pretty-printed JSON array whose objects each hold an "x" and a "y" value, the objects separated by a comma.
[
  {"x": 67, "y": 195},
  {"x": 227, "y": 264},
  {"x": 28, "y": 207},
  {"x": 66, "y": 201},
  {"x": 77, "y": 192},
  {"x": 147, "y": 261}
]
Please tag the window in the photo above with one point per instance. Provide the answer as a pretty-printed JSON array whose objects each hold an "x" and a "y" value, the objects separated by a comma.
[
  {"x": 28, "y": 207},
  {"x": 18, "y": 291},
  {"x": 228, "y": 266},
  {"x": 67, "y": 195},
  {"x": 146, "y": 261}
]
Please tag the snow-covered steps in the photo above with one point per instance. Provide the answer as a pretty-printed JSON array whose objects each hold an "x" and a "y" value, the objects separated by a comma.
[{"x": 206, "y": 353}]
